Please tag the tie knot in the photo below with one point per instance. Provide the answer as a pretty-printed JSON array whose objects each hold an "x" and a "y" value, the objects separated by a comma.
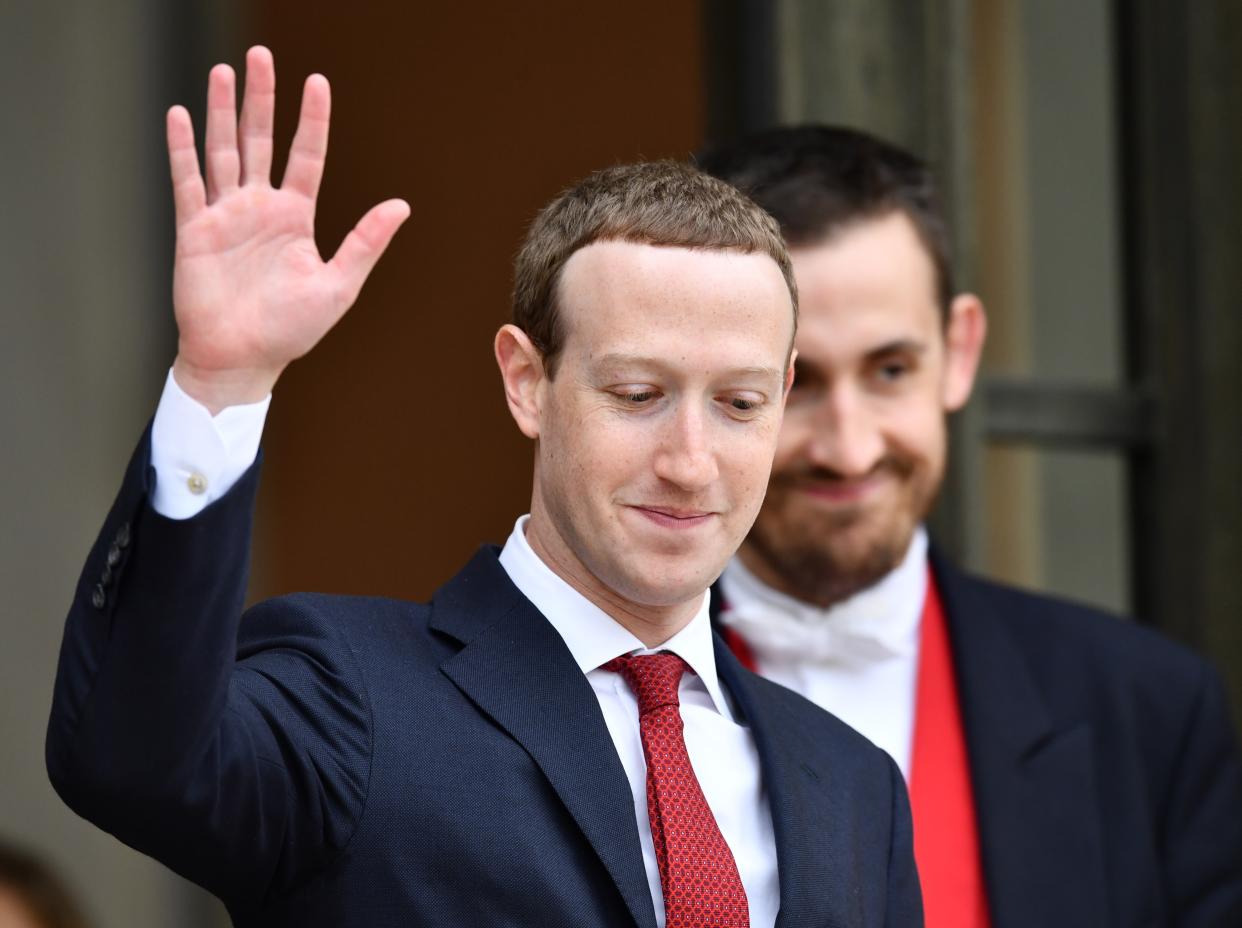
[{"x": 652, "y": 677}]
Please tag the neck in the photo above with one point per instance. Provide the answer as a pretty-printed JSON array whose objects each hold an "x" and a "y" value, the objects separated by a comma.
[{"x": 652, "y": 625}]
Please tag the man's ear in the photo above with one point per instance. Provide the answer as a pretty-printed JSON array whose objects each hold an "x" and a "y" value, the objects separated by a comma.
[
  {"x": 789, "y": 374},
  {"x": 521, "y": 370},
  {"x": 964, "y": 335}
]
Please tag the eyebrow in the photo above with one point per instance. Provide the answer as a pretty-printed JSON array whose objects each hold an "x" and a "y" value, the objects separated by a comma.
[
  {"x": 898, "y": 346},
  {"x": 805, "y": 369},
  {"x": 634, "y": 360}
]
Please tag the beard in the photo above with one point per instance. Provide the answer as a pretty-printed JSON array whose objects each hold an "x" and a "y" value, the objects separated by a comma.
[{"x": 826, "y": 554}]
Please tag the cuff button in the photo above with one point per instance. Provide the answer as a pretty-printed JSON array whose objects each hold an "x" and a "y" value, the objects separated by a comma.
[
  {"x": 196, "y": 483},
  {"x": 122, "y": 536},
  {"x": 99, "y": 598}
]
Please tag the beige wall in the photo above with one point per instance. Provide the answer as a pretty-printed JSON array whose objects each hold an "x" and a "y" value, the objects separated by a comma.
[{"x": 83, "y": 339}]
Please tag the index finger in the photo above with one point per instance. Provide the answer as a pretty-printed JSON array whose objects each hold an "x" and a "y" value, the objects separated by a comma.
[
  {"x": 310, "y": 143},
  {"x": 189, "y": 194}
]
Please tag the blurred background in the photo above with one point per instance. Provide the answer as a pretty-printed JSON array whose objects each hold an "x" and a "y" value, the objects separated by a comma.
[{"x": 1089, "y": 151}]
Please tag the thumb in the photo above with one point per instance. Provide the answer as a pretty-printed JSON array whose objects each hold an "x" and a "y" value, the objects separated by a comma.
[{"x": 365, "y": 243}]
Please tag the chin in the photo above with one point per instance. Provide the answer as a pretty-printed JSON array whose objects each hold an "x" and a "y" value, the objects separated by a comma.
[
  {"x": 867, "y": 562},
  {"x": 864, "y": 538},
  {"x": 665, "y": 584}
]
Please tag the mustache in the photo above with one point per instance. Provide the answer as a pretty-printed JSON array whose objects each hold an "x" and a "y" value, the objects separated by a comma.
[{"x": 891, "y": 465}]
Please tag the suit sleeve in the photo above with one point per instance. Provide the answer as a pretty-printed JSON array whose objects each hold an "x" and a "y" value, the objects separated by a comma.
[
  {"x": 905, "y": 896},
  {"x": 1203, "y": 833},
  {"x": 212, "y": 760}
]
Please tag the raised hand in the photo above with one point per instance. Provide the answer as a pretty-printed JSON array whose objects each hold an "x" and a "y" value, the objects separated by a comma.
[{"x": 250, "y": 290}]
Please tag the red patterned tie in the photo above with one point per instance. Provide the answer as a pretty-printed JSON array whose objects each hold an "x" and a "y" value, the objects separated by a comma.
[{"x": 701, "y": 885}]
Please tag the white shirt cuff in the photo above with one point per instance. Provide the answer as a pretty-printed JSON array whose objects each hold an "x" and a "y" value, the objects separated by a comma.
[{"x": 198, "y": 457}]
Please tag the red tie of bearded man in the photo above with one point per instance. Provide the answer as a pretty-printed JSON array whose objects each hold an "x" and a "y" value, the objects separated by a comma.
[{"x": 701, "y": 885}]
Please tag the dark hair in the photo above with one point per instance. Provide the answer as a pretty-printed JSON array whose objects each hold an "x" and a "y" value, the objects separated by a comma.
[
  {"x": 653, "y": 203},
  {"x": 817, "y": 180},
  {"x": 38, "y": 889}
]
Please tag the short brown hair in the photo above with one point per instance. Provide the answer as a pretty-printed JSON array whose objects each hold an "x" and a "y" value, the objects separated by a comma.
[{"x": 652, "y": 203}]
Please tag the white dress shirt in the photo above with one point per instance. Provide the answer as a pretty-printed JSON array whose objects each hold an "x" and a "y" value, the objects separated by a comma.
[
  {"x": 857, "y": 659},
  {"x": 721, "y": 751},
  {"x": 198, "y": 457}
]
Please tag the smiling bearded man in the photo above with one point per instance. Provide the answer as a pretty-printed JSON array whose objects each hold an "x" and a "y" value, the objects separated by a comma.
[{"x": 1065, "y": 768}]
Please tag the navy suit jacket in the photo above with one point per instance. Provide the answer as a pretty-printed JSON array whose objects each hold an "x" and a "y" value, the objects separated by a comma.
[
  {"x": 1105, "y": 768},
  {"x": 328, "y": 760}
]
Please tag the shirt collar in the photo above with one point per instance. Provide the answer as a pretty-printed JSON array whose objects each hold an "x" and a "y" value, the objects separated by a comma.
[
  {"x": 594, "y": 637},
  {"x": 879, "y": 622}
]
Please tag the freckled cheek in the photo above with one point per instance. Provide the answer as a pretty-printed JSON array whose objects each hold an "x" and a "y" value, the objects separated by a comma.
[
  {"x": 610, "y": 458},
  {"x": 745, "y": 465}
]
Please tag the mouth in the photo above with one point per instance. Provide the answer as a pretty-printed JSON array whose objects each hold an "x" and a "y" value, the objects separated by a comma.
[
  {"x": 842, "y": 491},
  {"x": 675, "y": 518}
]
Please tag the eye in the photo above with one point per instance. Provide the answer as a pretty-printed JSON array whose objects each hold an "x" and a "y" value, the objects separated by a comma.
[
  {"x": 806, "y": 377},
  {"x": 743, "y": 405},
  {"x": 633, "y": 394},
  {"x": 639, "y": 397},
  {"x": 892, "y": 370}
]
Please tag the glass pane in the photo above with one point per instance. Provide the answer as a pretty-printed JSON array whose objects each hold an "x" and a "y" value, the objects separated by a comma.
[
  {"x": 1048, "y": 246},
  {"x": 1057, "y": 521}
]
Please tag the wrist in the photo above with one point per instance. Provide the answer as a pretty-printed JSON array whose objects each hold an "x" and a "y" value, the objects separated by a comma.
[{"x": 219, "y": 389}]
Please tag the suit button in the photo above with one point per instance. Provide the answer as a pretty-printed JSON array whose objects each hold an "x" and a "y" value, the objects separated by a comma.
[
  {"x": 99, "y": 598},
  {"x": 122, "y": 536},
  {"x": 114, "y": 555}
]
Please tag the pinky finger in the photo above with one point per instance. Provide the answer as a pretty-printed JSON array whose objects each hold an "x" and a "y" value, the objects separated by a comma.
[
  {"x": 189, "y": 194},
  {"x": 364, "y": 245}
]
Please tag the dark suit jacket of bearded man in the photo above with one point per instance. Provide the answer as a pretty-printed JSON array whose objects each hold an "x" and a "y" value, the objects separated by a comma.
[{"x": 1103, "y": 761}]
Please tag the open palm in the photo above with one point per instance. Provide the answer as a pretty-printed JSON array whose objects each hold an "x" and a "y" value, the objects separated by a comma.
[{"x": 250, "y": 290}]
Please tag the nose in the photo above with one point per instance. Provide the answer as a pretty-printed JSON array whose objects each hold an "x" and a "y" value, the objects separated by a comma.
[
  {"x": 845, "y": 435},
  {"x": 686, "y": 457}
]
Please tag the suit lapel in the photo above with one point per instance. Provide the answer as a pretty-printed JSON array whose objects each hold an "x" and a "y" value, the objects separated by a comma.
[
  {"x": 804, "y": 802},
  {"x": 517, "y": 669},
  {"x": 1033, "y": 781}
]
